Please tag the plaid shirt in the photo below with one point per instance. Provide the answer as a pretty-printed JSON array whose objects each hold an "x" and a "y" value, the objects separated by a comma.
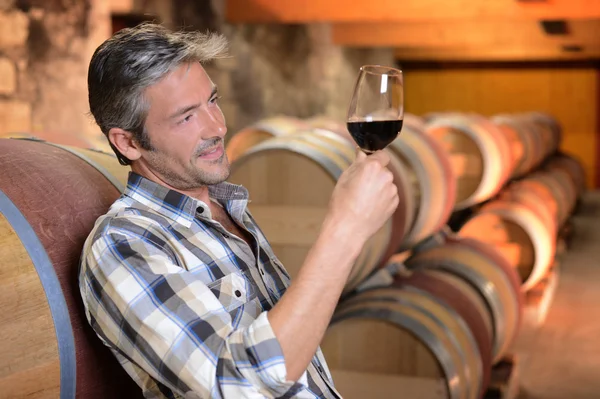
[{"x": 183, "y": 305}]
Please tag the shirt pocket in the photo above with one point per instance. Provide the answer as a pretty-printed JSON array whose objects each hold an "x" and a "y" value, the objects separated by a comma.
[{"x": 233, "y": 290}]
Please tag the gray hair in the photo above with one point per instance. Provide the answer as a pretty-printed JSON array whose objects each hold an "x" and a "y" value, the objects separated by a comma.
[{"x": 125, "y": 65}]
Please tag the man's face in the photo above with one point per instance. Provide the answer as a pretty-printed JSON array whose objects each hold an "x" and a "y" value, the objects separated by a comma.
[{"x": 186, "y": 129}]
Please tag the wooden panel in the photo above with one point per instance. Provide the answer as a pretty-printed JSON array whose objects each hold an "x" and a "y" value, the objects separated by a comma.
[
  {"x": 567, "y": 93},
  {"x": 479, "y": 33},
  {"x": 302, "y": 11},
  {"x": 490, "y": 53}
]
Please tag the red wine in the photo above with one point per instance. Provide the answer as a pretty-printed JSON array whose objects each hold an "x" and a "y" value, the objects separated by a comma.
[{"x": 374, "y": 136}]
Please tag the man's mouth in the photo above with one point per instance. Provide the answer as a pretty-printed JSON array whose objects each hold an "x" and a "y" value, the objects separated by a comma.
[{"x": 212, "y": 153}]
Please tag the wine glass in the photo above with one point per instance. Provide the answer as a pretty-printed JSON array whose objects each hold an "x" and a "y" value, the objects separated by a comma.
[{"x": 377, "y": 107}]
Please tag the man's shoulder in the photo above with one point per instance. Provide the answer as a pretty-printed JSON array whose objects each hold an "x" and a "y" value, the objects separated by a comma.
[{"x": 125, "y": 218}]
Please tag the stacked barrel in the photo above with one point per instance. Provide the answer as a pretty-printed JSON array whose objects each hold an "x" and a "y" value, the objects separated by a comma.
[
  {"x": 423, "y": 300},
  {"x": 450, "y": 313},
  {"x": 291, "y": 166},
  {"x": 521, "y": 188}
]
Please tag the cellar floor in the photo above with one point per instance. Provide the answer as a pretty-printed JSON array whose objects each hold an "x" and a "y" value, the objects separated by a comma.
[{"x": 561, "y": 359}]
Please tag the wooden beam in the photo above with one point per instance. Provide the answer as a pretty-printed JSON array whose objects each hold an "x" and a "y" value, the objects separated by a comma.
[
  {"x": 453, "y": 33},
  {"x": 121, "y": 6},
  {"x": 596, "y": 178},
  {"x": 491, "y": 54},
  {"x": 308, "y": 11}
]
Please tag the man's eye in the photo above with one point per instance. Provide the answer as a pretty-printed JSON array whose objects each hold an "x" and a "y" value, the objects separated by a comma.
[
  {"x": 186, "y": 119},
  {"x": 214, "y": 99}
]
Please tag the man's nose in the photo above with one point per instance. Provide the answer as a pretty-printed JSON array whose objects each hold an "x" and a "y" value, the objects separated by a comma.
[{"x": 214, "y": 121}]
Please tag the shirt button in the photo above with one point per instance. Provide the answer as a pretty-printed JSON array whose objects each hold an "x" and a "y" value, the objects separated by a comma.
[
  {"x": 238, "y": 293},
  {"x": 226, "y": 235},
  {"x": 200, "y": 209}
]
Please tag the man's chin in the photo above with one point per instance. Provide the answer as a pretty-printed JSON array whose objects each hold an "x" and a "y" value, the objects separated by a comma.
[{"x": 215, "y": 177}]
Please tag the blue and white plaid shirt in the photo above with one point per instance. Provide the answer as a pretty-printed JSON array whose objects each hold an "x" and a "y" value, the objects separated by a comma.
[{"x": 182, "y": 304}]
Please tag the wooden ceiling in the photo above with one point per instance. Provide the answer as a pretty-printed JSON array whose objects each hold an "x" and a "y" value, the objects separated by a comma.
[{"x": 440, "y": 30}]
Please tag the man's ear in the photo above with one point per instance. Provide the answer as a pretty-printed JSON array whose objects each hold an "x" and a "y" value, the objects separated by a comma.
[{"x": 123, "y": 141}]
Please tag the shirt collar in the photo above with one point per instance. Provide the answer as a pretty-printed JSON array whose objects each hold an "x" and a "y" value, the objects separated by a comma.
[{"x": 176, "y": 206}]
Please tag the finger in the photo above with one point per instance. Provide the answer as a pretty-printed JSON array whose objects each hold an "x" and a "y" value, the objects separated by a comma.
[
  {"x": 394, "y": 204},
  {"x": 389, "y": 177},
  {"x": 360, "y": 155},
  {"x": 382, "y": 157}
]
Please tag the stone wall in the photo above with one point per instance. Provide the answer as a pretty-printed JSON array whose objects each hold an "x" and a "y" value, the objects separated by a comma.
[{"x": 45, "y": 47}]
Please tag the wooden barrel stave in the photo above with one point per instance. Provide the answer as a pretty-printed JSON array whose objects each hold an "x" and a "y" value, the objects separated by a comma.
[
  {"x": 517, "y": 146},
  {"x": 534, "y": 201},
  {"x": 572, "y": 166},
  {"x": 562, "y": 191},
  {"x": 29, "y": 348},
  {"x": 533, "y": 145},
  {"x": 525, "y": 241},
  {"x": 430, "y": 172},
  {"x": 502, "y": 141},
  {"x": 96, "y": 142},
  {"x": 73, "y": 194},
  {"x": 262, "y": 130},
  {"x": 549, "y": 129},
  {"x": 457, "y": 296},
  {"x": 482, "y": 272},
  {"x": 481, "y": 155},
  {"x": 420, "y": 343}
]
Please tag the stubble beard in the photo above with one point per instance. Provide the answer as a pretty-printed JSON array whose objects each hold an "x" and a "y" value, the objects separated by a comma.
[{"x": 193, "y": 177}]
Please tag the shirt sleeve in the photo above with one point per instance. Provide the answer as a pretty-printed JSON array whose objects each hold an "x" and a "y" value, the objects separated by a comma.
[{"x": 174, "y": 326}]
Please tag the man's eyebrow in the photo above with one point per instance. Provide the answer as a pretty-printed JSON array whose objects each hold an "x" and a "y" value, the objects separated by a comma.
[
  {"x": 184, "y": 110},
  {"x": 191, "y": 107},
  {"x": 213, "y": 92}
]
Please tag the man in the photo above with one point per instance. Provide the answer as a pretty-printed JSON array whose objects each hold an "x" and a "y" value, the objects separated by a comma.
[{"x": 177, "y": 279}]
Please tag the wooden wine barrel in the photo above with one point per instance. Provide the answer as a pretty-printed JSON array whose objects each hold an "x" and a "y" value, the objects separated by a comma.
[
  {"x": 78, "y": 140},
  {"x": 550, "y": 129},
  {"x": 517, "y": 146},
  {"x": 413, "y": 121},
  {"x": 290, "y": 180},
  {"x": 485, "y": 269},
  {"x": 562, "y": 189},
  {"x": 526, "y": 193},
  {"x": 260, "y": 131},
  {"x": 520, "y": 234},
  {"x": 536, "y": 145},
  {"x": 465, "y": 301},
  {"x": 433, "y": 184},
  {"x": 572, "y": 166},
  {"x": 480, "y": 155},
  {"x": 333, "y": 125},
  {"x": 422, "y": 325},
  {"x": 524, "y": 147},
  {"x": 49, "y": 201}
]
